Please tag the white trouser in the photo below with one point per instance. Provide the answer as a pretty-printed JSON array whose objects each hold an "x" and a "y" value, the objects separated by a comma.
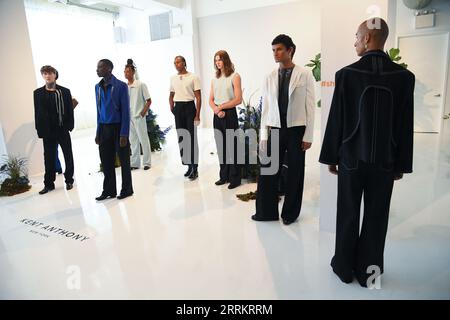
[{"x": 139, "y": 136}]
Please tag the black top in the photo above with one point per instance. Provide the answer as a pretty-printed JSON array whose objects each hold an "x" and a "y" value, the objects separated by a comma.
[
  {"x": 45, "y": 111},
  {"x": 52, "y": 113},
  {"x": 284, "y": 78},
  {"x": 371, "y": 115}
]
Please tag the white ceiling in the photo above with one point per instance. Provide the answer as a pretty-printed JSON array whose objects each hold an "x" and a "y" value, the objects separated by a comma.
[{"x": 147, "y": 5}]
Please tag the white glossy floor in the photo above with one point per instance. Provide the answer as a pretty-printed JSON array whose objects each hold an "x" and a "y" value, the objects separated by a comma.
[{"x": 177, "y": 239}]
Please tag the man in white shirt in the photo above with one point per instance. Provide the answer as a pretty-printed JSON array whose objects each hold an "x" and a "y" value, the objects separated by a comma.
[
  {"x": 185, "y": 103},
  {"x": 140, "y": 102},
  {"x": 287, "y": 125}
]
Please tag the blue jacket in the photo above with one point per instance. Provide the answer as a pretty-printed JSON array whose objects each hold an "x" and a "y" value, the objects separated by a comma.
[{"x": 114, "y": 105}]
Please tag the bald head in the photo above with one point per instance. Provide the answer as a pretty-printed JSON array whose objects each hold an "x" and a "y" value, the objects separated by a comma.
[{"x": 371, "y": 35}]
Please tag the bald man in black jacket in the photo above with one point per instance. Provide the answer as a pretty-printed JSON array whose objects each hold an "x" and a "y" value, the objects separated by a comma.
[{"x": 368, "y": 144}]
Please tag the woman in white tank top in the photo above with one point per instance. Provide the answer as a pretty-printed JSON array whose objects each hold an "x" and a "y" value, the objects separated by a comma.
[{"x": 226, "y": 94}]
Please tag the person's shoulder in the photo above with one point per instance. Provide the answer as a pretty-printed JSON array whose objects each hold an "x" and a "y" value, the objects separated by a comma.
[
  {"x": 64, "y": 89},
  {"x": 121, "y": 83},
  {"x": 39, "y": 90},
  {"x": 301, "y": 69},
  {"x": 272, "y": 73}
]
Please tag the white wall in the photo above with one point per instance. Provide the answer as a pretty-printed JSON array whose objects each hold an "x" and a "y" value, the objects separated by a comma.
[
  {"x": 80, "y": 37},
  {"x": 338, "y": 37},
  {"x": 154, "y": 60},
  {"x": 247, "y": 36},
  {"x": 405, "y": 26},
  {"x": 17, "y": 85}
]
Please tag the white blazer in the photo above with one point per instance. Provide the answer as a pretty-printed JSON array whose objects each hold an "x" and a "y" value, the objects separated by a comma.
[{"x": 301, "y": 107}]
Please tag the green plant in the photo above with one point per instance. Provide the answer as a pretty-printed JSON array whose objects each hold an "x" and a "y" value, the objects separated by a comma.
[
  {"x": 156, "y": 135},
  {"x": 250, "y": 119},
  {"x": 394, "y": 54},
  {"x": 316, "y": 66},
  {"x": 15, "y": 168}
]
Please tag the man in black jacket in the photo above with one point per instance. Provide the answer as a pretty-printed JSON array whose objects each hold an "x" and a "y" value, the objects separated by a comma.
[
  {"x": 53, "y": 114},
  {"x": 369, "y": 138}
]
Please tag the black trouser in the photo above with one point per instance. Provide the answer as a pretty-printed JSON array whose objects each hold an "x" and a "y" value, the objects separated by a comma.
[
  {"x": 290, "y": 140},
  {"x": 62, "y": 137},
  {"x": 109, "y": 147},
  {"x": 230, "y": 170},
  {"x": 356, "y": 251},
  {"x": 184, "y": 113}
]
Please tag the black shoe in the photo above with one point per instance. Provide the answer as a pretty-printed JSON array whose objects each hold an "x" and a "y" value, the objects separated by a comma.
[
  {"x": 147, "y": 168},
  {"x": 233, "y": 185},
  {"x": 105, "y": 196},
  {"x": 193, "y": 175},
  {"x": 59, "y": 171},
  {"x": 122, "y": 196},
  {"x": 288, "y": 222},
  {"x": 134, "y": 168},
  {"x": 46, "y": 190},
  {"x": 69, "y": 186},
  {"x": 188, "y": 172},
  {"x": 220, "y": 182},
  {"x": 256, "y": 218},
  {"x": 342, "y": 278}
]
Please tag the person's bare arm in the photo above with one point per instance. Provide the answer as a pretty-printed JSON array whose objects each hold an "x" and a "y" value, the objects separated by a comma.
[
  {"x": 171, "y": 102},
  {"x": 146, "y": 107},
  {"x": 198, "y": 99}
]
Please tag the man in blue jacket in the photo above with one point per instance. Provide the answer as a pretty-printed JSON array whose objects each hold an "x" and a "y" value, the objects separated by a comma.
[{"x": 113, "y": 127}]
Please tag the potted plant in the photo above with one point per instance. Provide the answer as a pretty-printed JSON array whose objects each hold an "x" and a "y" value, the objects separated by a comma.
[
  {"x": 394, "y": 54},
  {"x": 14, "y": 168},
  {"x": 249, "y": 118},
  {"x": 156, "y": 135}
]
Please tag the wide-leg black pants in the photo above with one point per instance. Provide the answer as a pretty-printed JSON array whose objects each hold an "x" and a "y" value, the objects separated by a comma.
[
  {"x": 227, "y": 149},
  {"x": 357, "y": 250},
  {"x": 184, "y": 113},
  {"x": 290, "y": 140},
  {"x": 61, "y": 137},
  {"x": 108, "y": 147}
]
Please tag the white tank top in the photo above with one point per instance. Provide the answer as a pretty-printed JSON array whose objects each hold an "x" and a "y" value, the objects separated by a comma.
[{"x": 223, "y": 89}]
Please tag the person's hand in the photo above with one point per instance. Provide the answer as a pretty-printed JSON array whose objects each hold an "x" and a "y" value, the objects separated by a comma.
[
  {"x": 333, "y": 169},
  {"x": 171, "y": 109},
  {"x": 197, "y": 121},
  {"x": 74, "y": 102},
  {"x": 306, "y": 145},
  {"x": 221, "y": 114},
  {"x": 97, "y": 140},
  {"x": 217, "y": 110},
  {"x": 123, "y": 142},
  {"x": 143, "y": 114},
  {"x": 398, "y": 176}
]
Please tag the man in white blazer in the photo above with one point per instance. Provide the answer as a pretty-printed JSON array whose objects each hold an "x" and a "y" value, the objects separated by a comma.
[{"x": 287, "y": 126}]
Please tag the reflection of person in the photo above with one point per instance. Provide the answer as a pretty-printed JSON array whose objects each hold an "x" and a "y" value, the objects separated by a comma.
[
  {"x": 226, "y": 94},
  {"x": 113, "y": 127},
  {"x": 140, "y": 102},
  {"x": 58, "y": 167},
  {"x": 184, "y": 89},
  {"x": 288, "y": 111},
  {"x": 54, "y": 120},
  {"x": 369, "y": 138}
]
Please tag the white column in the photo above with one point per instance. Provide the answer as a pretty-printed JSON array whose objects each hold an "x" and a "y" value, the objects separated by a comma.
[{"x": 16, "y": 86}]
